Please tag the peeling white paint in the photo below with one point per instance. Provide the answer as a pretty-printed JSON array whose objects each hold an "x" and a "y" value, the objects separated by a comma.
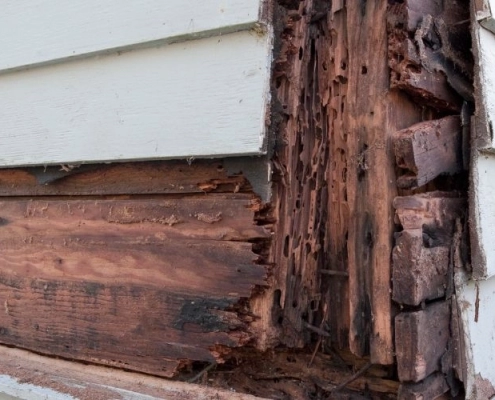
[
  {"x": 476, "y": 302},
  {"x": 476, "y": 293}
]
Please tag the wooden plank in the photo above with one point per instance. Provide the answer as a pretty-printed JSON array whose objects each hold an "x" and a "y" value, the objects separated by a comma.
[
  {"x": 419, "y": 273},
  {"x": 421, "y": 340},
  {"x": 435, "y": 209},
  {"x": 429, "y": 389},
  {"x": 138, "y": 284},
  {"x": 30, "y": 376},
  {"x": 155, "y": 177},
  {"x": 40, "y": 31},
  {"x": 429, "y": 53},
  {"x": 429, "y": 149},
  {"x": 142, "y": 104},
  {"x": 374, "y": 114}
]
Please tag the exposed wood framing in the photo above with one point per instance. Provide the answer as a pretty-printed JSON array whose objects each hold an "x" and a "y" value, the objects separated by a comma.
[
  {"x": 143, "y": 283},
  {"x": 428, "y": 149},
  {"x": 28, "y": 376},
  {"x": 430, "y": 61}
]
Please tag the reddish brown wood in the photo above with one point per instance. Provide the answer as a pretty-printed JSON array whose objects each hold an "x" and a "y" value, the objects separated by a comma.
[
  {"x": 171, "y": 177},
  {"x": 437, "y": 209},
  {"x": 429, "y": 149},
  {"x": 421, "y": 340},
  {"x": 373, "y": 115},
  {"x": 428, "y": 389},
  {"x": 428, "y": 52},
  {"x": 311, "y": 80},
  {"x": 146, "y": 284},
  {"x": 419, "y": 273},
  {"x": 91, "y": 382}
]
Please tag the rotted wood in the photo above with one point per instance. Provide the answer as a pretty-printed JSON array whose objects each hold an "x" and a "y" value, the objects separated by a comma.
[
  {"x": 157, "y": 177},
  {"x": 429, "y": 389},
  {"x": 436, "y": 209},
  {"x": 429, "y": 149},
  {"x": 419, "y": 273},
  {"x": 310, "y": 81},
  {"x": 31, "y": 376},
  {"x": 421, "y": 340},
  {"x": 422, "y": 259},
  {"x": 142, "y": 284},
  {"x": 429, "y": 52},
  {"x": 371, "y": 121}
]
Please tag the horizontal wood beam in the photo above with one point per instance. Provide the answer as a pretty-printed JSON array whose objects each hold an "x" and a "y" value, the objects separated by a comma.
[
  {"x": 29, "y": 376},
  {"x": 421, "y": 339},
  {"x": 142, "y": 284},
  {"x": 429, "y": 149}
]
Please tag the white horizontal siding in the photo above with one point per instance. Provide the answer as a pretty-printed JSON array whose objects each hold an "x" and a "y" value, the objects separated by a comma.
[
  {"x": 196, "y": 98},
  {"x": 39, "y": 31}
]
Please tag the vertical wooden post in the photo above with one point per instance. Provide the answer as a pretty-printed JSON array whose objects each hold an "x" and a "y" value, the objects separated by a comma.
[{"x": 372, "y": 119}]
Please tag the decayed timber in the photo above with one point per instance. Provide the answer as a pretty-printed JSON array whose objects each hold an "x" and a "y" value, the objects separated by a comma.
[
  {"x": 371, "y": 122},
  {"x": 419, "y": 273},
  {"x": 144, "y": 284},
  {"x": 310, "y": 78},
  {"x": 427, "y": 52},
  {"x": 430, "y": 209},
  {"x": 336, "y": 177},
  {"x": 429, "y": 389},
  {"x": 422, "y": 265},
  {"x": 156, "y": 177},
  {"x": 421, "y": 340},
  {"x": 429, "y": 149},
  {"x": 30, "y": 376}
]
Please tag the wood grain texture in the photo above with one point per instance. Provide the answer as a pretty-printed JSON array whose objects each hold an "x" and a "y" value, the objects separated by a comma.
[
  {"x": 33, "y": 377},
  {"x": 430, "y": 388},
  {"x": 311, "y": 233},
  {"x": 372, "y": 120},
  {"x": 40, "y": 31},
  {"x": 419, "y": 273},
  {"x": 198, "y": 98},
  {"x": 421, "y": 340},
  {"x": 427, "y": 150},
  {"x": 155, "y": 177},
  {"x": 139, "y": 284}
]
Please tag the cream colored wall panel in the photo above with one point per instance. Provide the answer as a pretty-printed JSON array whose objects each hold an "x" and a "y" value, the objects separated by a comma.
[
  {"x": 40, "y": 31},
  {"x": 196, "y": 98}
]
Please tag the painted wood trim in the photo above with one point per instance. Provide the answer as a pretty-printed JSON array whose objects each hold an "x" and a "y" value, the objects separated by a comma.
[
  {"x": 28, "y": 376},
  {"x": 41, "y": 31},
  {"x": 202, "y": 98},
  {"x": 483, "y": 144}
]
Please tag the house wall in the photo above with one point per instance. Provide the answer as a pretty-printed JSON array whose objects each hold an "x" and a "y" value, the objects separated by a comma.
[{"x": 476, "y": 292}]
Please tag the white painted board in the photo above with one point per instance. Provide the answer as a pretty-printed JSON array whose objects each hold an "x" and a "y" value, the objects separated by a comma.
[
  {"x": 40, "y": 31},
  {"x": 475, "y": 301},
  {"x": 484, "y": 191},
  {"x": 196, "y": 98}
]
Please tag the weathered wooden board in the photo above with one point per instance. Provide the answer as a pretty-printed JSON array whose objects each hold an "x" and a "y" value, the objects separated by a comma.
[
  {"x": 429, "y": 149},
  {"x": 204, "y": 97},
  {"x": 154, "y": 177},
  {"x": 430, "y": 388},
  {"x": 139, "y": 284},
  {"x": 419, "y": 273},
  {"x": 421, "y": 340},
  {"x": 29, "y": 376},
  {"x": 429, "y": 52},
  {"x": 34, "y": 32},
  {"x": 374, "y": 114}
]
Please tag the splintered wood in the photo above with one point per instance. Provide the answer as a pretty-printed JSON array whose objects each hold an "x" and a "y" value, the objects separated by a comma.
[
  {"x": 430, "y": 61},
  {"x": 335, "y": 167},
  {"x": 429, "y": 149},
  {"x": 147, "y": 284}
]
